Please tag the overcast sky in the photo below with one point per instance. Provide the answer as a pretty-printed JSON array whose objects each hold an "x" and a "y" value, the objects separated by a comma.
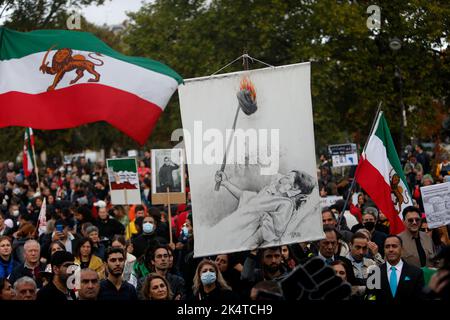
[{"x": 112, "y": 12}]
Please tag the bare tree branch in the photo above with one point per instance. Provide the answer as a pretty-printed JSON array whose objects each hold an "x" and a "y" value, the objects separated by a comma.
[{"x": 56, "y": 5}]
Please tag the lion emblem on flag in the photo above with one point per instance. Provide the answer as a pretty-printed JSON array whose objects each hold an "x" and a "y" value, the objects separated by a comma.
[
  {"x": 64, "y": 61},
  {"x": 398, "y": 197}
]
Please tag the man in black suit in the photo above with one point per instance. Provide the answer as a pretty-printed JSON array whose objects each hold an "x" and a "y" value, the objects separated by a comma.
[
  {"x": 327, "y": 247},
  {"x": 400, "y": 281}
]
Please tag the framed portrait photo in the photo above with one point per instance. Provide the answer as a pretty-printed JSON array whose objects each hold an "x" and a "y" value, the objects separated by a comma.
[{"x": 168, "y": 176}]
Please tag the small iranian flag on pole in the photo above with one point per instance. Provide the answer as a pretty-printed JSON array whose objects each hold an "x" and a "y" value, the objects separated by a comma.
[
  {"x": 42, "y": 221},
  {"x": 381, "y": 175},
  {"x": 28, "y": 158}
]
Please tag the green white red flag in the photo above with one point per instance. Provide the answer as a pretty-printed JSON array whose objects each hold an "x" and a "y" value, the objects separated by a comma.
[
  {"x": 28, "y": 157},
  {"x": 56, "y": 79},
  {"x": 381, "y": 175}
]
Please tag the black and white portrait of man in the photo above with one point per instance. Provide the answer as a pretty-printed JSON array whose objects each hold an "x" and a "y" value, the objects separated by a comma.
[{"x": 167, "y": 171}]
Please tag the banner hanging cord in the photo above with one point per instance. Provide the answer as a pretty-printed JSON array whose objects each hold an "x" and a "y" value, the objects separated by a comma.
[{"x": 244, "y": 56}]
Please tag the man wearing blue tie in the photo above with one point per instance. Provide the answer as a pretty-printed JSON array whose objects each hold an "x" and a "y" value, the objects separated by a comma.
[{"x": 400, "y": 281}]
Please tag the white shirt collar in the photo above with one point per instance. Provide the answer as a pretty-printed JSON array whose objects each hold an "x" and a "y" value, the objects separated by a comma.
[
  {"x": 398, "y": 266},
  {"x": 321, "y": 256}
]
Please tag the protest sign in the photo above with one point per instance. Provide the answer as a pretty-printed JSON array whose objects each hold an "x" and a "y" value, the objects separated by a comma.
[
  {"x": 168, "y": 176},
  {"x": 343, "y": 154},
  {"x": 123, "y": 181},
  {"x": 329, "y": 200},
  {"x": 436, "y": 202}
]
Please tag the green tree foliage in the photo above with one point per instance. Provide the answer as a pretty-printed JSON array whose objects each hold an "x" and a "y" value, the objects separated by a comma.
[
  {"x": 352, "y": 66},
  {"x": 27, "y": 15}
]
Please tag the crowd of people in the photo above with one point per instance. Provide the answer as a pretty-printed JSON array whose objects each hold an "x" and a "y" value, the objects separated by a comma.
[{"x": 137, "y": 252}]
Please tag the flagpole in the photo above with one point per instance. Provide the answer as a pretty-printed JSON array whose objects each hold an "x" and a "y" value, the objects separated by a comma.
[
  {"x": 36, "y": 171},
  {"x": 341, "y": 214}
]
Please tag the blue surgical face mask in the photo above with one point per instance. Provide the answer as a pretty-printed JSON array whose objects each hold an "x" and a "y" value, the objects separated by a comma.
[
  {"x": 185, "y": 231},
  {"x": 208, "y": 278},
  {"x": 147, "y": 227}
]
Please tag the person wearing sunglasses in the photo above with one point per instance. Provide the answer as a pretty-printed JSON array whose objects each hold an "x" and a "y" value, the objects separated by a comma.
[{"x": 418, "y": 247}]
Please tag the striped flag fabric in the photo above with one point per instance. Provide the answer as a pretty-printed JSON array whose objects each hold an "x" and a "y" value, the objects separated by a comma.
[
  {"x": 42, "y": 221},
  {"x": 381, "y": 175},
  {"x": 28, "y": 157},
  {"x": 57, "y": 79}
]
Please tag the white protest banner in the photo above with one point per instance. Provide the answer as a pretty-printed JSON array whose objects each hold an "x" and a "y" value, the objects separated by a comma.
[
  {"x": 436, "y": 202},
  {"x": 329, "y": 200},
  {"x": 250, "y": 151},
  {"x": 123, "y": 181}
]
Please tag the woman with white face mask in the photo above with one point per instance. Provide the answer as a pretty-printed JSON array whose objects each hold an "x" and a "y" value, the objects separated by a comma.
[
  {"x": 209, "y": 284},
  {"x": 147, "y": 238}
]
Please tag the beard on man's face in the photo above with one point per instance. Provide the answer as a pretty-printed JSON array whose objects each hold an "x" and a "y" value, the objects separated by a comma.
[
  {"x": 272, "y": 268},
  {"x": 116, "y": 271}
]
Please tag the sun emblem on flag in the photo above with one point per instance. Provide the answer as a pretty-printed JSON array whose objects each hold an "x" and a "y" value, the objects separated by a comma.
[{"x": 64, "y": 61}]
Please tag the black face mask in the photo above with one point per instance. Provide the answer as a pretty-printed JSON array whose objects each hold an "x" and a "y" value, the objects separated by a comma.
[{"x": 369, "y": 225}]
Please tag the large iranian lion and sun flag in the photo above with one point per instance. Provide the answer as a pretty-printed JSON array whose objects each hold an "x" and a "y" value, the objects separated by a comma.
[
  {"x": 381, "y": 175},
  {"x": 57, "y": 79}
]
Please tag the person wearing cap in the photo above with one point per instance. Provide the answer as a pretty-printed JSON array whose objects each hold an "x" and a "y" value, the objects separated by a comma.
[
  {"x": 369, "y": 222},
  {"x": 57, "y": 289},
  {"x": 108, "y": 227}
]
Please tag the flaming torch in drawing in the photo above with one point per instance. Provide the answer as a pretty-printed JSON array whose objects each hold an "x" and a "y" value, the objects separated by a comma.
[{"x": 247, "y": 102}]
